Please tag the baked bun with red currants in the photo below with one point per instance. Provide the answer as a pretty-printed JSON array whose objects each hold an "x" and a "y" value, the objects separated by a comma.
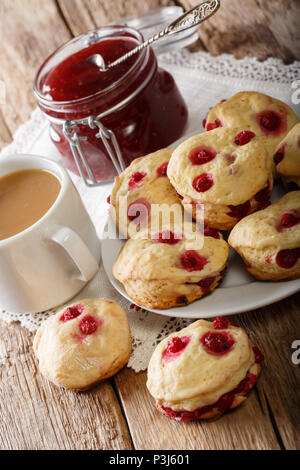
[
  {"x": 172, "y": 268},
  {"x": 83, "y": 344},
  {"x": 269, "y": 240},
  {"x": 227, "y": 172},
  {"x": 203, "y": 370}
]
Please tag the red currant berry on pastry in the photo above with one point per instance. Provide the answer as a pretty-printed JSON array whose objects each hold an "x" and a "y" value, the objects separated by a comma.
[
  {"x": 72, "y": 312},
  {"x": 139, "y": 209},
  {"x": 239, "y": 211},
  {"x": 206, "y": 283},
  {"x": 288, "y": 220},
  {"x": 204, "y": 123},
  {"x": 286, "y": 259},
  {"x": 203, "y": 182},
  {"x": 212, "y": 232},
  {"x": 269, "y": 121},
  {"x": 177, "y": 343},
  {"x": 135, "y": 179},
  {"x": 245, "y": 385},
  {"x": 263, "y": 195},
  {"x": 225, "y": 402},
  {"x": 167, "y": 237},
  {"x": 88, "y": 325},
  {"x": 221, "y": 323},
  {"x": 278, "y": 157},
  {"x": 213, "y": 125},
  {"x": 201, "y": 155},
  {"x": 217, "y": 343},
  {"x": 192, "y": 261},
  {"x": 268, "y": 259},
  {"x": 108, "y": 199},
  {"x": 167, "y": 411},
  {"x": 162, "y": 169},
  {"x": 175, "y": 347},
  {"x": 259, "y": 357},
  {"x": 244, "y": 137}
]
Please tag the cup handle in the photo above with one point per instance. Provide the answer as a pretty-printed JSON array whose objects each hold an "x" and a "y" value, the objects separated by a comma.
[{"x": 76, "y": 249}]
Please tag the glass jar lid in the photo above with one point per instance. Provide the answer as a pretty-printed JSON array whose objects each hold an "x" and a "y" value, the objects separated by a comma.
[{"x": 155, "y": 21}]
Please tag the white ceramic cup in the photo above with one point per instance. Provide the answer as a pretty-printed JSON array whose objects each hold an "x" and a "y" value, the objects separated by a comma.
[{"x": 49, "y": 262}]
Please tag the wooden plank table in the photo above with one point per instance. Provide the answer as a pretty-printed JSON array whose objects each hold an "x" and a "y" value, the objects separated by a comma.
[{"x": 119, "y": 413}]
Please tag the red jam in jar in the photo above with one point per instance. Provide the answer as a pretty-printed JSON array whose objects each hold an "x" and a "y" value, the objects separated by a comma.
[{"x": 140, "y": 101}]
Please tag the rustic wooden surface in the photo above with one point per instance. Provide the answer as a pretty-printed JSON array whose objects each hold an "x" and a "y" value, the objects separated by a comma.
[{"x": 119, "y": 414}]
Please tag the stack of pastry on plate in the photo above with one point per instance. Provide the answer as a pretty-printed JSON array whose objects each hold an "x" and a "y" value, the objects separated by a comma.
[{"x": 228, "y": 172}]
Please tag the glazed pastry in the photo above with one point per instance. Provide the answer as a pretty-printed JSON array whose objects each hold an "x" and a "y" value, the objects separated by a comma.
[
  {"x": 83, "y": 344},
  {"x": 142, "y": 184},
  {"x": 287, "y": 158},
  {"x": 203, "y": 370},
  {"x": 228, "y": 171},
  {"x": 166, "y": 269},
  {"x": 267, "y": 117},
  {"x": 269, "y": 241}
]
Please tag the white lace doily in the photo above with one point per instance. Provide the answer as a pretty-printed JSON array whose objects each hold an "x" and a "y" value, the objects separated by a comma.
[
  {"x": 203, "y": 80},
  {"x": 226, "y": 65}
]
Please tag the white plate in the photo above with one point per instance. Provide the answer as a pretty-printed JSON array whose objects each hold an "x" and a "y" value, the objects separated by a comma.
[{"x": 239, "y": 292}]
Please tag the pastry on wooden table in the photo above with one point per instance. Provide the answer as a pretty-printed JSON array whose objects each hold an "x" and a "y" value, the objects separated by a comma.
[
  {"x": 287, "y": 159},
  {"x": 269, "y": 240},
  {"x": 141, "y": 185},
  {"x": 83, "y": 344},
  {"x": 227, "y": 170},
  {"x": 203, "y": 370},
  {"x": 267, "y": 117},
  {"x": 168, "y": 269}
]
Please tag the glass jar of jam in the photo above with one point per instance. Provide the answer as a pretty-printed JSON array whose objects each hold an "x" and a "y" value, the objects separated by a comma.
[{"x": 101, "y": 121}]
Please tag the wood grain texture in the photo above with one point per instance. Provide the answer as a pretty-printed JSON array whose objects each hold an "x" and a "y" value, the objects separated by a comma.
[
  {"x": 82, "y": 15},
  {"x": 274, "y": 329},
  {"x": 37, "y": 415},
  {"x": 253, "y": 28},
  {"x": 30, "y": 31}
]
